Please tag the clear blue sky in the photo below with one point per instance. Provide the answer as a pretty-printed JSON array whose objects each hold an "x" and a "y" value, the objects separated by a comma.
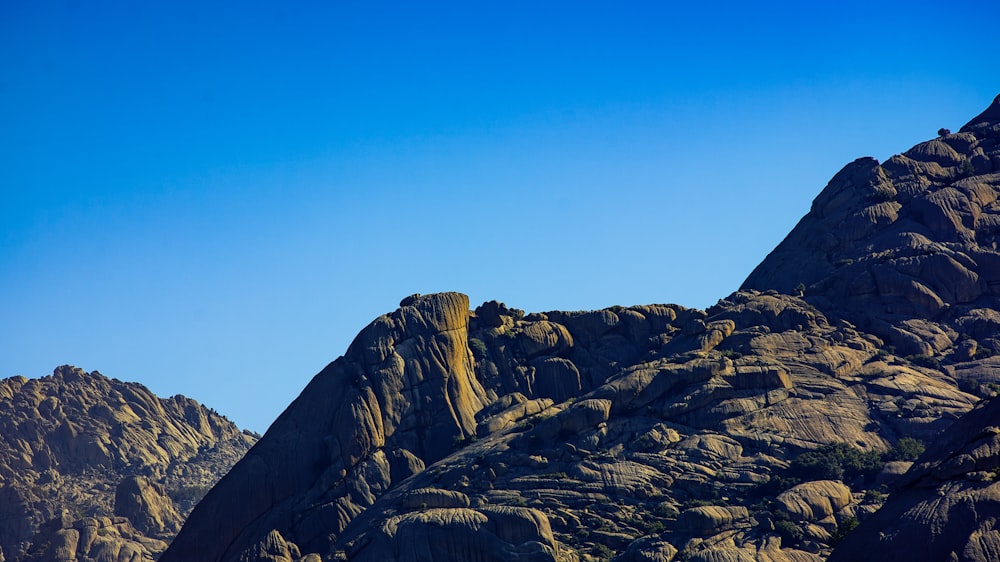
[{"x": 213, "y": 198}]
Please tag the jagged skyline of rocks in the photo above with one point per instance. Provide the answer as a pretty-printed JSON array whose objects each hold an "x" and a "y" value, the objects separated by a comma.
[{"x": 213, "y": 211}]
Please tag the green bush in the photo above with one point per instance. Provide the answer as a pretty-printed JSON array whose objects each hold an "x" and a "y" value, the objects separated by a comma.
[
  {"x": 789, "y": 532},
  {"x": 837, "y": 461},
  {"x": 874, "y": 496},
  {"x": 907, "y": 449},
  {"x": 924, "y": 361},
  {"x": 843, "y": 529},
  {"x": 478, "y": 348},
  {"x": 602, "y": 552},
  {"x": 665, "y": 509}
]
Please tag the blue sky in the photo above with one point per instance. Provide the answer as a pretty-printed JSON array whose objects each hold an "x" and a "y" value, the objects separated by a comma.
[{"x": 214, "y": 198}]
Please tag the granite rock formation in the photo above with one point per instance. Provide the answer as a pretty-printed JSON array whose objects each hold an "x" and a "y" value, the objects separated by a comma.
[
  {"x": 763, "y": 428},
  {"x": 93, "y": 468},
  {"x": 948, "y": 504},
  {"x": 907, "y": 249}
]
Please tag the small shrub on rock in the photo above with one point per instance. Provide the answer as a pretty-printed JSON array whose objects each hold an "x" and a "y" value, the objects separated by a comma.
[
  {"x": 789, "y": 532},
  {"x": 478, "y": 348},
  {"x": 908, "y": 449}
]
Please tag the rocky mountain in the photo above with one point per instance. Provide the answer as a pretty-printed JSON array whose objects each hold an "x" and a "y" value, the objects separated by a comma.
[
  {"x": 95, "y": 469},
  {"x": 763, "y": 428},
  {"x": 907, "y": 249}
]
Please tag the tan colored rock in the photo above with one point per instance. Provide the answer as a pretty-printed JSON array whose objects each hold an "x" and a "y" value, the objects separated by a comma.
[
  {"x": 709, "y": 520},
  {"x": 98, "y": 539},
  {"x": 580, "y": 416},
  {"x": 816, "y": 500},
  {"x": 67, "y": 439},
  {"x": 544, "y": 338},
  {"x": 512, "y": 415},
  {"x": 443, "y": 535},
  {"x": 147, "y": 506},
  {"x": 555, "y": 378}
]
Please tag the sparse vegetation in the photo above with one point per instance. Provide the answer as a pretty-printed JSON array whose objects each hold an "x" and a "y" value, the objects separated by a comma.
[
  {"x": 908, "y": 449},
  {"x": 188, "y": 495},
  {"x": 843, "y": 528},
  {"x": 603, "y": 552},
  {"x": 874, "y": 496},
  {"x": 478, "y": 348},
  {"x": 789, "y": 532},
  {"x": 837, "y": 461},
  {"x": 666, "y": 510},
  {"x": 924, "y": 361}
]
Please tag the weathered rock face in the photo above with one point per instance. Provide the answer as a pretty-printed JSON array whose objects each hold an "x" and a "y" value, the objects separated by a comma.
[
  {"x": 651, "y": 432},
  {"x": 93, "y": 538},
  {"x": 147, "y": 506},
  {"x": 906, "y": 249},
  {"x": 400, "y": 398},
  {"x": 67, "y": 442},
  {"x": 671, "y": 406},
  {"x": 949, "y": 505}
]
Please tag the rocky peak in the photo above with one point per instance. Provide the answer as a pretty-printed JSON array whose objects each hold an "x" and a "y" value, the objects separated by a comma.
[
  {"x": 762, "y": 428},
  {"x": 894, "y": 245},
  {"x": 986, "y": 122},
  {"x": 399, "y": 399},
  {"x": 77, "y": 445}
]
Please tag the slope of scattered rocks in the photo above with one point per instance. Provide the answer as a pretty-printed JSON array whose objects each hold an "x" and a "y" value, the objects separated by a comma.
[{"x": 93, "y": 468}]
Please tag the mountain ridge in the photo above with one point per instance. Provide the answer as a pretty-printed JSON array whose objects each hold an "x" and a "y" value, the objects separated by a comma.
[
  {"x": 649, "y": 432},
  {"x": 92, "y": 467}
]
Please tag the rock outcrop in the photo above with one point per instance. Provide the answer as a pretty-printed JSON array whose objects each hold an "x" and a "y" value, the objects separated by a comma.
[
  {"x": 93, "y": 468},
  {"x": 905, "y": 249},
  {"x": 761, "y": 428},
  {"x": 948, "y": 507}
]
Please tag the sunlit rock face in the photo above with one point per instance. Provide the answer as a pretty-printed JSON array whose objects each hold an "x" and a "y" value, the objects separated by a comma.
[
  {"x": 93, "y": 468},
  {"x": 906, "y": 249},
  {"x": 763, "y": 428}
]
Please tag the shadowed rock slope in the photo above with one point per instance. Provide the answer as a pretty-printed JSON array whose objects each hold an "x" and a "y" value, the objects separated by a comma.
[
  {"x": 763, "y": 428},
  {"x": 948, "y": 507},
  {"x": 95, "y": 469}
]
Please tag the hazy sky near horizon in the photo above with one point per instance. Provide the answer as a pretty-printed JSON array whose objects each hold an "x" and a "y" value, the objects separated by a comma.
[{"x": 213, "y": 198}]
